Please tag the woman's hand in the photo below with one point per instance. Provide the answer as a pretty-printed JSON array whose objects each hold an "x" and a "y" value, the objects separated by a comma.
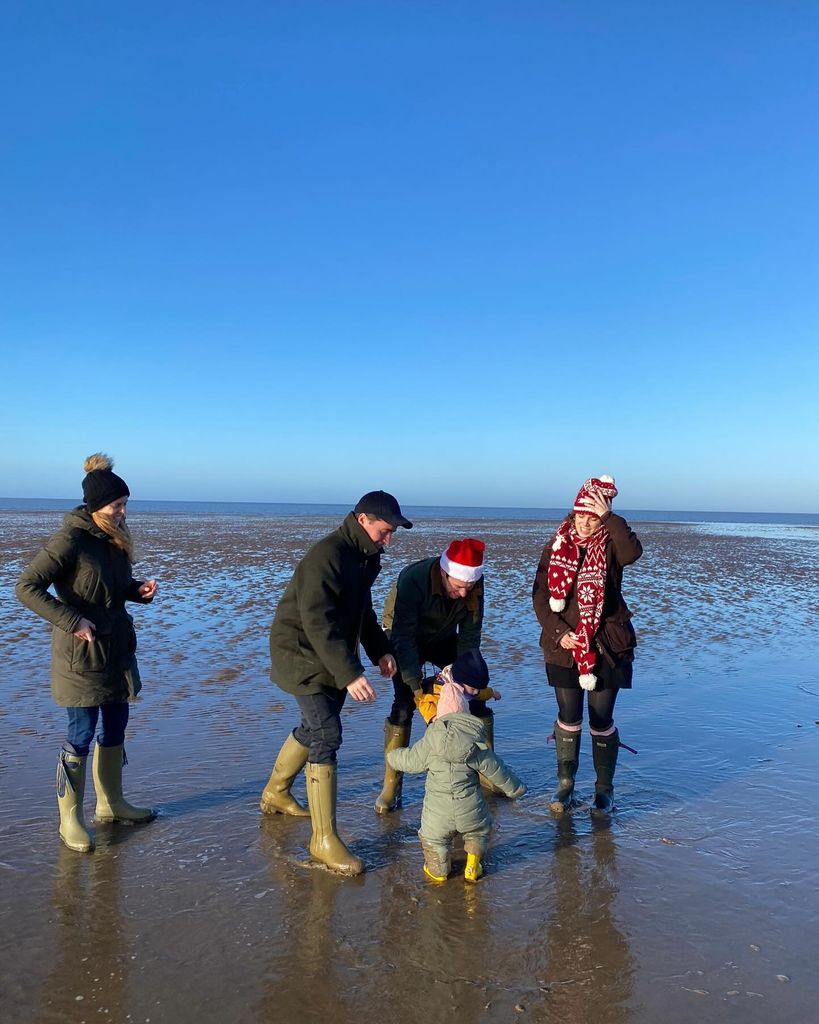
[
  {"x": 570, "y": 641},
  {"x": 596, "y": 505},
  {"x": 147, "y": 590},
  {"x": 85, "y": 630}
]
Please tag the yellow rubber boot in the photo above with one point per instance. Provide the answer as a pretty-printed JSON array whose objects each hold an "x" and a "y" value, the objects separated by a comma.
[
  {"x": 325, "y": 845},
  {"x": 436, "y": 861},
  {"x": 389, "y": 798},
  {"x": 70, "y": 793},
  {"x": 474, "y": 869},
  {"x": 276, "y": 796},
  {"x": 111, "y": 804}
]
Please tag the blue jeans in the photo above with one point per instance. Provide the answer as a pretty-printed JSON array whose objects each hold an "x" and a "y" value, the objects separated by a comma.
[{"x": 82, "y": 724}]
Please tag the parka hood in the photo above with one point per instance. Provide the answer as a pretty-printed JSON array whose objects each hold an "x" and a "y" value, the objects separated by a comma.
[
  {"x": 455, "y": 737},
  {"x": 79, "y": 518}
]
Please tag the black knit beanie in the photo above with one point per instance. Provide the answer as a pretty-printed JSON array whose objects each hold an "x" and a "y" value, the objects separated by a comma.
[
  {"x": 102, "y": 486},
  {"x": 469, "y": 669}
]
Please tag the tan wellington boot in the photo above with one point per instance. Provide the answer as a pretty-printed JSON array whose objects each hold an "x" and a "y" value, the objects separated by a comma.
[
  {"x": 276, "y": 798},
  {"x": 489, "y": 728},
  {"x": 111, "y": 804},
  {"x": 389, "y": 798},
  {"x": 325, "y": 845},
  {"x": 70, "y": 793}
]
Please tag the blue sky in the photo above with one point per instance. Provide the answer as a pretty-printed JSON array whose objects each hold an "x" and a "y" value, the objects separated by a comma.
[{"x": 469, "y": 252}]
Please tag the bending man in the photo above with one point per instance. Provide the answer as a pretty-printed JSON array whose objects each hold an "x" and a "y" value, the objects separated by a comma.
[{"x": 433, "y": 613}]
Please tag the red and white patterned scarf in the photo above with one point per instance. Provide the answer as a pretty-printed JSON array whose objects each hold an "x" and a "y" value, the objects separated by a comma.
[{"x": 591, "y": 589}]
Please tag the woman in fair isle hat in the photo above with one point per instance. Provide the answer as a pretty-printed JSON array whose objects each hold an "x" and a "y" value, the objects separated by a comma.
[{"x": 587, "y": 637}]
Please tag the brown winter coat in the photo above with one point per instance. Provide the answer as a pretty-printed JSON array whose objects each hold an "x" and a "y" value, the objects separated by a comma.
[
  {"x": 615, "y": 632},
  {"x": 92, "y": 579}
]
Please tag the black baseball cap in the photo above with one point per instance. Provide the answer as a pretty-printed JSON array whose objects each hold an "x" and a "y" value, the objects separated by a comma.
[{"x": 382, "y": 506}]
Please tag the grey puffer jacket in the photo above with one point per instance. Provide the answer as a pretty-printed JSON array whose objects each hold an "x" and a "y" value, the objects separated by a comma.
[
  {"x": 92, "y": 579},
  {"x": 452, "y": 753}
]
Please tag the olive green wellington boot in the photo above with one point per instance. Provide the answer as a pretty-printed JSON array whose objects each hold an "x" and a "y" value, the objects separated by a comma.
[
  {"x": 70, "y": 793},
  {"x": 325, "y": 845},
  {"x": 389, "y": 798},
  {"x": 489, "y": 728},
  {"x": 276, "y": 797},
  {"x": 111, "y": 804},
  {"x": 605, "y": 750},
  {"x": 567, "y": 746}
]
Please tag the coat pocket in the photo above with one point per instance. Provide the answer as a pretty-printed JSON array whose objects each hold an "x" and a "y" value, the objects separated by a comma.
[
  {"x": 91, "y": 657},
  {"x": 618, "y": 634}
]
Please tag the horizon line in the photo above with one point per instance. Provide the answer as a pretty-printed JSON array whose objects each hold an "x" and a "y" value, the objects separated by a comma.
[{"x": 409, "y": 504}]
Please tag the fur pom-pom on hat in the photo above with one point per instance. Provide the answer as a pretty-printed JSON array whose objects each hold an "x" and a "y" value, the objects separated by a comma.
[{"x": 99, "y": 460}]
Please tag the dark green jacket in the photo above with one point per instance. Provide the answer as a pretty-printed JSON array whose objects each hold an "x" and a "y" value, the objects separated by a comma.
[
  {"x": 418, "y": 614},
  {"x": 92, "y": 579},
  {"x": 325, "y": 612}
]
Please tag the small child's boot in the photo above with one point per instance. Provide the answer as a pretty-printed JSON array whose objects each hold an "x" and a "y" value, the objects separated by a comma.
[
  {"x": 436, "y": 862},
  {"x": 474, "y": 869}
]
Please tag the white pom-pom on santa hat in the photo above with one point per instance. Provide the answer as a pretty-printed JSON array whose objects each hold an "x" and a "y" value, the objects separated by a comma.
[
  {"x": 606, "y": 479},
  {"x": 557, "y": 604},
  {"x": 588, "y": 680}
]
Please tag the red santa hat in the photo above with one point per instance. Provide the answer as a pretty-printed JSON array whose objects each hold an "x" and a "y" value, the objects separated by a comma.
[
  {"x": 463, "y": 560},
  {"x": 602, "y": 485}
]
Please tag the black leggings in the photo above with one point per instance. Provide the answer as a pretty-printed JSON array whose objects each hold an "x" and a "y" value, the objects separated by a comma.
[{"x": 601, "y": 707}]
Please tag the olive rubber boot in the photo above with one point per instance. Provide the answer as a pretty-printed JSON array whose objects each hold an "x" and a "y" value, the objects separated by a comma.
[
  {"x": 325, "y": 845},
  {"x": 276, "y": 797},
  {"x": 389, "y": 798},
  {"x": 111, "y": 804},
  {"x": 489, "y": 727},
  {"x": 605, "y": 750},
  {"x": 567, "y": 747},
  {"x": 70, "y": 793},
  {"x": 436, "y": 861}
]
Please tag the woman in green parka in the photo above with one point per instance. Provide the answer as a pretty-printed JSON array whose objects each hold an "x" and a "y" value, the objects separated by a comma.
[{"x": 94, "y": 672}]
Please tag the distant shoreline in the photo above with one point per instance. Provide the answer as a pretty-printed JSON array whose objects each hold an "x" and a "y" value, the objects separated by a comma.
[{"x": 271, "y": 509}]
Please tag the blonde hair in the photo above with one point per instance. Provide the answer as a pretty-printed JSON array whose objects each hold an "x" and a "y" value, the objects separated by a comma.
[{"x": 120, "y": 535}]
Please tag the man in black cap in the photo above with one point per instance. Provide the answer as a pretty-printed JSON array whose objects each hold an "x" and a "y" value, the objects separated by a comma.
[{"x": 324, "y": 615}]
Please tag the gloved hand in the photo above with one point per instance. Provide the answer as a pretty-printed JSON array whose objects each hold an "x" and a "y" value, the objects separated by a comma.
[{"x": 427, "y": 703}]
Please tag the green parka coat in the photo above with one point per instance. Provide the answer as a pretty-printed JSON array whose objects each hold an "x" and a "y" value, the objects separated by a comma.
[
  {"x": 452, "y": 752},
  {"x": 92, "y": 579},
  {"x": 325, "y": 612}
]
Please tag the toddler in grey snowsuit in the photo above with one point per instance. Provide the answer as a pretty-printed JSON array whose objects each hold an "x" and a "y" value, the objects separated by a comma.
[{"x": 453, "y": 753}]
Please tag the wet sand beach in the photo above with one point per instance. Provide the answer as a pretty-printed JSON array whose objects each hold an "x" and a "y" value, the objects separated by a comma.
[{"x": 696, "y": 902}]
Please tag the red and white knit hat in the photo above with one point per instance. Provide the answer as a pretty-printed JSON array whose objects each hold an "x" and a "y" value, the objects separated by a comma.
[
  {"x": 602, "y": 485},
  {"x": 463, "y": 560}
]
